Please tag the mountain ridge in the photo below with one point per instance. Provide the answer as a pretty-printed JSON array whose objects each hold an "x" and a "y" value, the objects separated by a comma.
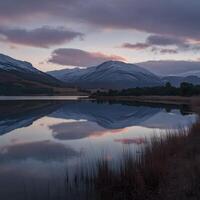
[
  {"x": 108, "y": 75},
  {"x": 21, "y": 78},
  {"x": 172, "y": 67}
]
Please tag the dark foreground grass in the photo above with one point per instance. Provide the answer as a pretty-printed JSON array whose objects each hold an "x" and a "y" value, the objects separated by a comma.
[{"x": 167, "y": 168}]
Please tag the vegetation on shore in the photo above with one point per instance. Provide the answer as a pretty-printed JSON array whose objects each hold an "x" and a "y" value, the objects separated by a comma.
[{"x": 185, "y": 89}]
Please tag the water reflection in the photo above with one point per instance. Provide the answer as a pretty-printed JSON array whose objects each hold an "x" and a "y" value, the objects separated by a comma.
[
  {"x": 20, "y": 114},
  {"x": 14, "y": 115},
  {"x": 109, "y": 116},
  {"x": 40, "y": 140},
  {"x": 131, "y": 141},
  {"x": 42, "y": 151},
  {"x": 76, "y": 130}
]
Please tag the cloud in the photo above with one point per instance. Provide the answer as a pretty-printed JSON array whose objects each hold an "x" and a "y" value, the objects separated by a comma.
[
  {"x": 161, "y": 40},
  {"x": 177, "y": 17},
  {"x": 78, "y": 57},
  {"x": 44, "y": 37},
  {"x": 157, "y": 50},
  {"x": 136, "y": 46},
  {"x": 158, "y": 44},
  {"x": 168, "y": 51}
]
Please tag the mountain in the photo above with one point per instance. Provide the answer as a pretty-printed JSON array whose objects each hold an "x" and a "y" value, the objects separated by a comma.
[
  {"x": 25, "y": 70},
  {"x": 108, "y": 75},
  {"x": 20, "y": 77},
  {"x": 172, "y": 68},
  {"x": 177, "y": 80}
]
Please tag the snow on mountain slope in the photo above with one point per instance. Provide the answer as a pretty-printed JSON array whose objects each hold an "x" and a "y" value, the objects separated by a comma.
[
  {"x": 108, "y": 75},
  {"x": 15, "y": 72},
  {"x": 8, "y": 63},
  {"x": 191, "y": 73}
]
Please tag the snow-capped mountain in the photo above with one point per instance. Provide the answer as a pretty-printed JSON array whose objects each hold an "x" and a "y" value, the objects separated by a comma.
[
  {"x": 21, "y": 78},
  {"x": 21, "y": 70},
  {"x": 177, "y": 80},
  {"x": 108, "y": 75},
  {"x": 7, "y": 63}
]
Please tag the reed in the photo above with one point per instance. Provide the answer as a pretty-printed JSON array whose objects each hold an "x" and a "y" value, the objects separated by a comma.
[{"x": 167, "y": 167}]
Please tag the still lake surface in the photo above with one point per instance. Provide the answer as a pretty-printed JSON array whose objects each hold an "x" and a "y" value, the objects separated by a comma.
[{"x": 40, "y": 140}]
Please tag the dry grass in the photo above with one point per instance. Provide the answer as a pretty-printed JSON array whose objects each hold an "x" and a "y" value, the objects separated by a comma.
[{"x": 167, "y": 168}]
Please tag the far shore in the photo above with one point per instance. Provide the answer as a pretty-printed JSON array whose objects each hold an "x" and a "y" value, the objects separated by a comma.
[
  {"x": 175, "y": 100},
  {"x": 44, "y": 97}
]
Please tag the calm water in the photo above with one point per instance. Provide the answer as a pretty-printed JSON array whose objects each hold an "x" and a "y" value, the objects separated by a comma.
[{"x": 40, "y": 140}]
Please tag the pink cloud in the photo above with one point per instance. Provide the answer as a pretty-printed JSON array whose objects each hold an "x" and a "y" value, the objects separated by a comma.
[{"x": 78, "y": 57}]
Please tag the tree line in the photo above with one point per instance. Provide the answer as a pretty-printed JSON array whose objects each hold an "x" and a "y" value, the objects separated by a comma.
[{"x": 185, "y": 89}]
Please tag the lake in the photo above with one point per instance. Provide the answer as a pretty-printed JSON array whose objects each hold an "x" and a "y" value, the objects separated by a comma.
[{"x": 41, "y": 139}]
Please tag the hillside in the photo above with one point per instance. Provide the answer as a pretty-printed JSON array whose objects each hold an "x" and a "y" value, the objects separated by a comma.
[
  {"x": 21, "y": 78},
  {"x": 172, "y": 67},
  {"x": 108, "y": 75}
]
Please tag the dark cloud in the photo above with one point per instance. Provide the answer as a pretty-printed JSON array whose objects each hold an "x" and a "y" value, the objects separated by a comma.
[
  {"x": 173, "y": 17},
  {"x": 157, "y": 50},
  {"x": 77, "y": 57},
  {"x": 136, "y": 46},
  {"x": 161, "y": 41},
  {"x": 165, "y": 40},
  {"x": 41, "y": 37},
  {"x": 168, "y": 51}
]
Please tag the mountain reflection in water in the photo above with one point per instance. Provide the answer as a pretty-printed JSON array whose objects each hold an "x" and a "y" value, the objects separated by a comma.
[{"x": 19, "y": 114}]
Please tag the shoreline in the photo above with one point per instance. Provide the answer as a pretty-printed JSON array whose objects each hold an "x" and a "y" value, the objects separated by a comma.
[
  {"x": 175, "y": 100},
  {"x": 44, "y": 97}
]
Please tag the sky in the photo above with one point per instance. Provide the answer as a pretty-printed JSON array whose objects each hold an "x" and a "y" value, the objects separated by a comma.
[{"x": 55, "y": 34}]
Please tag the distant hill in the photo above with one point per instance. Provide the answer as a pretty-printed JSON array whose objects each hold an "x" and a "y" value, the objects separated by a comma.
[
  {"x": 177, "y": 80},
  {"x": 108, "y": 75},
  {"x": 172, "y": 68},
  {"x": 20, "y": 78}
]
